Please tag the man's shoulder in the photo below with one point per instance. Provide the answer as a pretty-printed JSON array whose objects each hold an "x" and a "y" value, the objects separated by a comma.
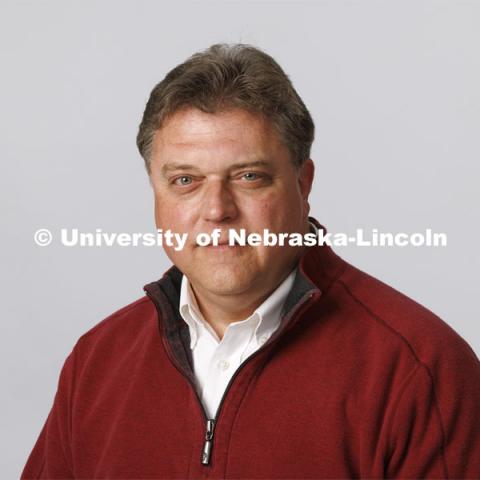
[
  {"x": 126, "y": 323},
  {"x": 400, "y": 319}
]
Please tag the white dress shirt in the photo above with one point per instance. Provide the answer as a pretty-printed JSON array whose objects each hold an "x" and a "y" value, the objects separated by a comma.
[{"x": 215, "y": 360}]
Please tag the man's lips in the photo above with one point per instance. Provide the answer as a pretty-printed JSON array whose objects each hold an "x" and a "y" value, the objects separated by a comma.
[{"x": 223, "y": 245}]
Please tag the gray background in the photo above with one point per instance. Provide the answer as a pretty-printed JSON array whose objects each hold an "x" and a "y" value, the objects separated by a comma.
[{"x": 393, "y": 89}]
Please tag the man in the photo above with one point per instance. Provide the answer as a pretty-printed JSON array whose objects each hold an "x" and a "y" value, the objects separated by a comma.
[{"x": 256, "y": 362}]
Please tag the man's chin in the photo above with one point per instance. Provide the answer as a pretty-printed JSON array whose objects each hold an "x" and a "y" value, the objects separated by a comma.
[{"x": 226, "y": 283}]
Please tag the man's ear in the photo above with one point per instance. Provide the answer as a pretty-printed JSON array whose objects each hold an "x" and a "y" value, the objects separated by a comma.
[{"x": 305, "y": 181}]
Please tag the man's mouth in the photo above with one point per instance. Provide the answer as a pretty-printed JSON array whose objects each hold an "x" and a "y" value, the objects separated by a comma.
[{"x": 223, "y": 245}]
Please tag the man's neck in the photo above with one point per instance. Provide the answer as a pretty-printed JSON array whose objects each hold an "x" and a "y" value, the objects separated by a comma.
[{"x": 222, "y": 310}]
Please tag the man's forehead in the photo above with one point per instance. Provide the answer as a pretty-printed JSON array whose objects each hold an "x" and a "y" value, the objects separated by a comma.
[
  {"x": 216, "y": 153},
  {"x": 194, "y": 127},
  {"x": 194, "y": 138}
]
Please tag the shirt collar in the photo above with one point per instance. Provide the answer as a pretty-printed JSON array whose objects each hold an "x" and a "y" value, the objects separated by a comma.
[
  {"x": 268, "y": 314},
  {"x": 189, "y": 310}
]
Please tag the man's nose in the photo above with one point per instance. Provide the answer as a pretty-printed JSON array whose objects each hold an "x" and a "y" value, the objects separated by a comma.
[{"x": 218, "y": 203}]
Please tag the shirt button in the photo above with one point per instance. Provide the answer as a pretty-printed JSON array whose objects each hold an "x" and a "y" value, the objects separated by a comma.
[{"x": 223, "y": 364}]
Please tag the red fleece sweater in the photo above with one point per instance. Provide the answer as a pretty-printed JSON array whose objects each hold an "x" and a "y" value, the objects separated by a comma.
[{"x": 358, "y": 382}]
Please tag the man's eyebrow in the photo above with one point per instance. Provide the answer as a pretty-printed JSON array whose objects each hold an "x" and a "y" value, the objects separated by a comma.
[
  {"x": 169, "y": 167},
  {"x": 257, "y": 163}
]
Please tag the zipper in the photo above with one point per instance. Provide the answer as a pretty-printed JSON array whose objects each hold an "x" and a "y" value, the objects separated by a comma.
[
  {"x": 210, "y": 423},
  {"x": 207, "y": 446}
]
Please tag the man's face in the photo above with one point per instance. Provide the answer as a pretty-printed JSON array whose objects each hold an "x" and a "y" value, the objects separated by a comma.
[{"x": 228, "y": 170}]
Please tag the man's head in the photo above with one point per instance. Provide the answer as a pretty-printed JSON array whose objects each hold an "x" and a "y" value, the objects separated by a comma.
[
  {"x": 226, "y": 141},
  {"x": 227, "y": 76}
]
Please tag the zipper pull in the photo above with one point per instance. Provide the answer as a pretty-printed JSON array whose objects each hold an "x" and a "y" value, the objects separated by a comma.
[{"x": 207, "y": 446}]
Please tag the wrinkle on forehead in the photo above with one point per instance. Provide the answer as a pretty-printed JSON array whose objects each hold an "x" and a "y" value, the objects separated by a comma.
[
  {"x": 232, "y": 135},
  {"x": 191, "y": 125}
]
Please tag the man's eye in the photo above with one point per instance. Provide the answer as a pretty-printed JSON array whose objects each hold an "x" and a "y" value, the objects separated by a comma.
[
  {"x": 250, "y": 176},
  {"x": 183, "y": 180}
]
